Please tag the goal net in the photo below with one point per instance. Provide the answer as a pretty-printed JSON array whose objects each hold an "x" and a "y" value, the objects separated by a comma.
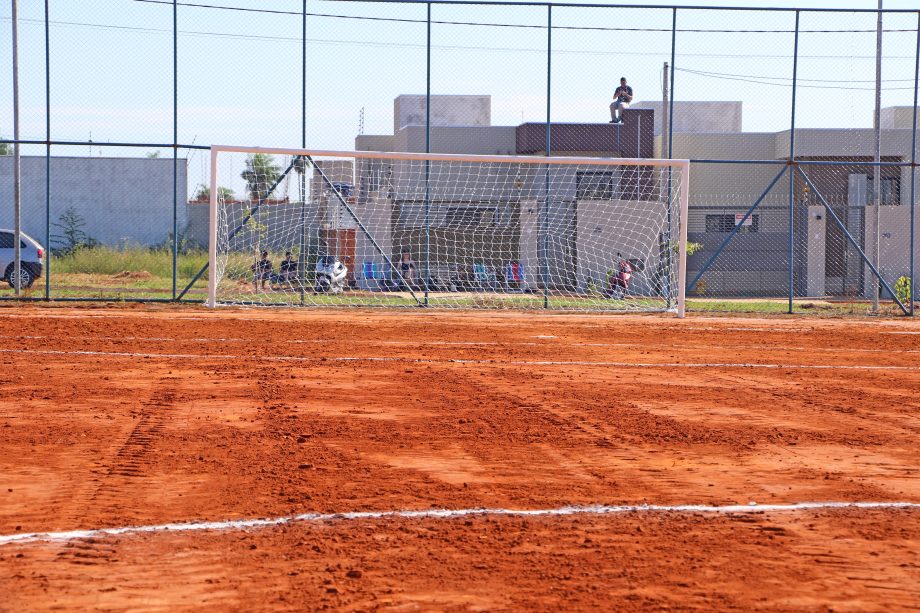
[{"x": 301, "y": 227}]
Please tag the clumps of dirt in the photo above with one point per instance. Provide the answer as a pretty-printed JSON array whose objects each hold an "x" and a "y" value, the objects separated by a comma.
[{"x": 133, "y": 274}]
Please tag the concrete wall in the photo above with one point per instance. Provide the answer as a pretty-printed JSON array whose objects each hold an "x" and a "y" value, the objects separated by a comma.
[
  {"x": 842, "y": 143},
  {"x": 374, "y": 142},
  {"x": 333, "y": 215},
  {"x": 894, "y": 246},
  {"x": 728, "y": 184},
  {"x": 123, "y": 200},
  {"x": 628, "y": 227},
  {"x": 633, "y": 138},
  {"x": 472, "y": 140},
  {"x": 529, "y": 243},
  {"x": 376, "y": 213},
  {"x": 446, "y": 110},
  {"x": 817, "y": 245},
  {"x": 751, "y": 265},
  {"x": 280, "y": 225},
  {"x": 897, "y": 117},
  {"x": 698, "y": 116}
]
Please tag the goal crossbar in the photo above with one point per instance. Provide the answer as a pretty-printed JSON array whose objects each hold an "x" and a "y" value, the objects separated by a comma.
[
  {"x": 457, "y": 157},
  {"x": 673, "y": 171}
]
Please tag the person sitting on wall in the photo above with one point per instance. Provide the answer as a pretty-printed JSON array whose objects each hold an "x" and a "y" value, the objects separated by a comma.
[
  {"x": 621, "y": 99},
  {"x": 262, "y": 271}
]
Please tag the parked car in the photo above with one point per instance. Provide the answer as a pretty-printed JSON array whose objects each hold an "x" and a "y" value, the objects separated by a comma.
[{"x": 31, "y": 255}]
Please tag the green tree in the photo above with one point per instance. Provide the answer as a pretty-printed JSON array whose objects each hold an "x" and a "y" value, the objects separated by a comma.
[
  {"x": 71, "y": 237},
  {"x": 203, "y": 193},
  {"x": 261, "y": 173},
  {"x": 5, "y": 148},
  {"x": 152, "y": 155}
]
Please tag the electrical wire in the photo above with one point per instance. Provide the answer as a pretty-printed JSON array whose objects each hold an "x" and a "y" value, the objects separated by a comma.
[
  {"x": 760, "y": 82},
  {"x": 512, "y": 25},
  {"x": 382, "y": 44}
]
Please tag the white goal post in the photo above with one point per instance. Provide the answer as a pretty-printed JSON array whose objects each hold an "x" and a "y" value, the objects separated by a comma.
[{"x": 368, "y": 228}]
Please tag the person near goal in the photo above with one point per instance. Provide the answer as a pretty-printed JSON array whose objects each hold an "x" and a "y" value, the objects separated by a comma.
[
  {"x": 262, "y": 270},
  {"x": 407, "y": 269},
  {"x": 619, "y": 281},
  {"x": 287, "y": 273},
  {"x": 621, "y": 99}
]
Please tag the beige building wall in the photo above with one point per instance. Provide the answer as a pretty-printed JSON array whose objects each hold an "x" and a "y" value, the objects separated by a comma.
[
  {"x": 698, "y": 116},
  {"x": 628, "y": 227},
  {"x": 528, "y": 243},
  {"x": 894, "y": 245},
  {"x": 842, "y": 143},
  {"x": 376, "y": 214},
  {"x": 897, "y": 117},
  {"x": 446, "y": 110}
]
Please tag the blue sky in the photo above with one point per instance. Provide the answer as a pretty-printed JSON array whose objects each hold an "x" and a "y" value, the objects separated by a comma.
[{"x": 240, "y": 72}]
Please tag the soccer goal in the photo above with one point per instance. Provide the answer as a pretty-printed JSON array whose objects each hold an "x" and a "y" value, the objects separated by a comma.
[{"x": 365, "y": 228}]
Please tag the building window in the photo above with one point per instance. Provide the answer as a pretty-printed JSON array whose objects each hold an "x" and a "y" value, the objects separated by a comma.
[
  {"x": 891, "y": 191},
  {"x": 597, "y": 185},
  {"x": 727, "y": 222},
  {"x": 411, "y": 215},
  {"x": 464, "y": 217}
]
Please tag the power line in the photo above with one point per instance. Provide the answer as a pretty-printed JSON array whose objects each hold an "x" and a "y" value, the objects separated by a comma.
[
  {"x": 800, "y": 80},
  {"x": 381, "y": 44},
  {"x": 761, "y": 82},
  {"x": 510, "y": 25}
]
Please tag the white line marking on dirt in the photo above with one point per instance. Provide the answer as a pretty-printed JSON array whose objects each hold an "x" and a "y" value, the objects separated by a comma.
[
  {"x": 276, "y": 358},
  {"x": 242, "y": 524},
  {"x": 421, "y": 343}
]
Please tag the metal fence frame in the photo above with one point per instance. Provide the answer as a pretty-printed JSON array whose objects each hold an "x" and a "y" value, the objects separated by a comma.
[{"x": 790, "y": 164}]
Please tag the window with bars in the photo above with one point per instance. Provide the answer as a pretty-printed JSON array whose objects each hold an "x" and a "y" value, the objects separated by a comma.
[{"x": 723, "y": 222}]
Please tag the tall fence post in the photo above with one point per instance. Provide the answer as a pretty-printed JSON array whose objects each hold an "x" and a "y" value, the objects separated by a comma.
[
  {"x": 428, "y": 150},
  {"x": 544, "y": 229},
  {"x": 175, "y": 224},
  {"x": 47, "y": 155},
  {"x": 302, "y": 167},
  {"x": 795, "y": 68},
  {"x": 669, "y": 114},
  {"x": 913, "y": 170},
  {"x": 877, "y": 171},
  {"x": 673, "y": 70},
  {"x": 17, "y": 169}
]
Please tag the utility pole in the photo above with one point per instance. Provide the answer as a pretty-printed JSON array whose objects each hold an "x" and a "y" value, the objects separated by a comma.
[
  {"x": 877, "y": 172},
  {"x": 17, "y": 169},
  {"x": 665, "y": 108}
]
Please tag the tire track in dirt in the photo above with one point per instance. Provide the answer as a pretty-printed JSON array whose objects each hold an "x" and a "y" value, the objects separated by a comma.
[{"x": 124, "y": 478}]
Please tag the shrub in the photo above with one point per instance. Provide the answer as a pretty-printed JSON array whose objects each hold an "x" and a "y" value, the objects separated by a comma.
[{"x": 902, "y": 290}]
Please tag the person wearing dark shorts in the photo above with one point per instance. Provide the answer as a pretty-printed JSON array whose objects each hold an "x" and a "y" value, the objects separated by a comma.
[
  {"x": 407, "y": 269},
  {"x": 287, "y": 273},
  {"x": 262, "y": 270},
  {"x": 621, "y": 99}
]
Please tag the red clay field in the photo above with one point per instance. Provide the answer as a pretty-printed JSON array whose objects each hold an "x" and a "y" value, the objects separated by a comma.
[{"x": 169, "y": 458}]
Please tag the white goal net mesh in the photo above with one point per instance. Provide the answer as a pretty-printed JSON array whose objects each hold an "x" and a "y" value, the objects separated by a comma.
[{"x": 362, "y": 229}]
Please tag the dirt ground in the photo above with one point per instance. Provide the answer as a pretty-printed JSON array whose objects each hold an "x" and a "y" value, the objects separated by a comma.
[{"x": 136, "y": 416}]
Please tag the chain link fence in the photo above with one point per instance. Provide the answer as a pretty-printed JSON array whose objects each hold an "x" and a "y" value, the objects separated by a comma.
[{"x": 802, "y": 198}]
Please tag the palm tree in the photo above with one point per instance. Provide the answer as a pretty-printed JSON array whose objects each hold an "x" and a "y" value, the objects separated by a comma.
[{"x": 260, "y": 174}]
